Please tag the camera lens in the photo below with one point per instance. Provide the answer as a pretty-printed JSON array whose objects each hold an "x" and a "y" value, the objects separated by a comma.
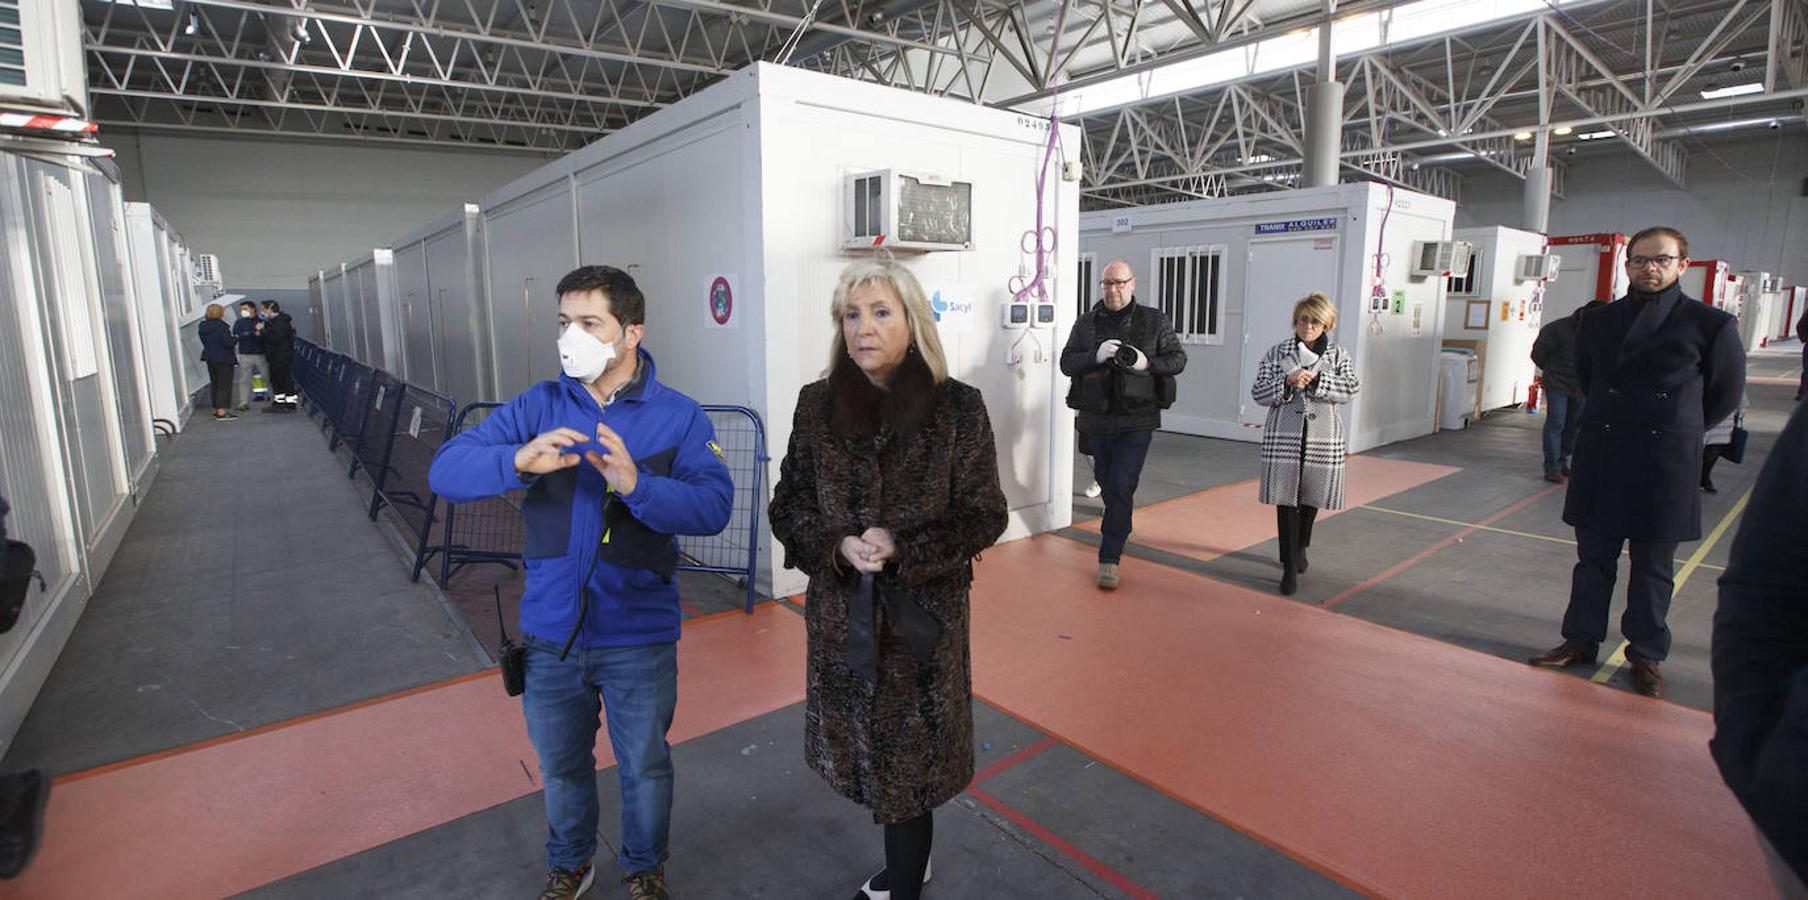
[{"x": 1126, "y": 356}]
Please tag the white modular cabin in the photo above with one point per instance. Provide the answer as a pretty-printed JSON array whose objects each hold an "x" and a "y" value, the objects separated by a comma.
[
  {"x": 443, "y": 306},
  {"x": 1590, "y": 267},
  {"x": 1495, "y": 309},
  {"x": 75, "y": 420},
  {"x": 733, "y": 210},
  {"x": 1229, "y": 271}
]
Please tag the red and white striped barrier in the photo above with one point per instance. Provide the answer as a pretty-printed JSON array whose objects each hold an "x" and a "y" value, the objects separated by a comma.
[{"x": 63, "y": 124}]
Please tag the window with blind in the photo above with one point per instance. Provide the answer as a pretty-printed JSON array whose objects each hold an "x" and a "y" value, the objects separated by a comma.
[{"x": 1189, "y": 290}]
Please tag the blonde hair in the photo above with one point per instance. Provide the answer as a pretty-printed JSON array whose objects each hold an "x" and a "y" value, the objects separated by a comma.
[
  {"x": 1320, "y": 307},
  {"x": 216, "y": 311},
  {"x": 917, "y": 313}
]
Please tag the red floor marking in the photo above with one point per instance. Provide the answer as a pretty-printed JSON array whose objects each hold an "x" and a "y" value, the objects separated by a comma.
[
  {"x": 690, "y": 612},
  {"x": 1091, "y": 863},
  {"x": 228, "y": 817},
  {"x": 1228, "y": 518},
  {"x": 1012, "y": 760},
  {"x": 273, "y": 726},
  {"x": 1427, "y": 553},
  {"x": 1397, "y": 765}
]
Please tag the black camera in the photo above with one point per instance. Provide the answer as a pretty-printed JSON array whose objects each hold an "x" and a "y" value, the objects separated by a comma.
[{"x": 1125, "y": 356}]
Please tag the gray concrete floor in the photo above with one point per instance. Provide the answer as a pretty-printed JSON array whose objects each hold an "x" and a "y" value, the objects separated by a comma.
[{"x": 250, "y": 588}]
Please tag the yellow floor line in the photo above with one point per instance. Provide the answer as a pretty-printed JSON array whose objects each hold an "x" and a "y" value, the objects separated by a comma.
[
  {"x": 1524, "y": 534},
  {"x": 1618, "y": 659}
]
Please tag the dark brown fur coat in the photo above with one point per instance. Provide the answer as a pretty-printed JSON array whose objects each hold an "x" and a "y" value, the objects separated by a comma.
[{"x": 905, "y": 746}]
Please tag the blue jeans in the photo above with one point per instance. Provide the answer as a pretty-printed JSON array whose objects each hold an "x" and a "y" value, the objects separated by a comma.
[
  {"x": 638, "y": 692},
  {"x": 1117, "y": 463},
  {"x": 1562, "y": 419}
]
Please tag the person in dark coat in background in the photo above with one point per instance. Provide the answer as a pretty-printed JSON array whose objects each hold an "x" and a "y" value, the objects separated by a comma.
[
  {"x": 23, "y": 795},
  {"x": 1657, "y": 367},
  {"x": 1554, "y": 352},
  {"x": 219, "y": 351},
  {"x": 888, "y": 491},
  {"x": 279, "y": 349},
  {"x": 1116, "y": 395},
  {"x": 1801, "y": 388},
  {"x": 1760, "y": 658}
]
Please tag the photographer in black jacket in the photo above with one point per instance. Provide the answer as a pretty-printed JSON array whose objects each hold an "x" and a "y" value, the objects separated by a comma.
[{"x": 1122, "y": 358}]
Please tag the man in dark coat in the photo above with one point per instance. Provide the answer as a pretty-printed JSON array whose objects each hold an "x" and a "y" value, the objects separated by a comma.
[
  {"x": 1657, "y": 368},
  {"x": 1554, "y": 353},
  {"x": 1801, "y": 388},
  {"x": 1116, "y": 354},
  {"x": 1761, "y": 661},
  {"x": 278, "y": 332}
]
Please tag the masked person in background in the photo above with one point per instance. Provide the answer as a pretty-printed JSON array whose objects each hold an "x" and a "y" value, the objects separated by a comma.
[
  {"x": 614, "y": 464},
  {"x": 248, "y": 332},
  {"x": 279, "y": 348}
]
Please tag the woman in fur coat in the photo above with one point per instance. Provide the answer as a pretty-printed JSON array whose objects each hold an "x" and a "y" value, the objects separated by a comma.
[
  {"x": 1302, "y": 380},
  {"x": 888, "y": 491}
]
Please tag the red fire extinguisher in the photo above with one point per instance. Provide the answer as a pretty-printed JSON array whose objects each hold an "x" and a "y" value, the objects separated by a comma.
[{"x": 1534, "y": 394}]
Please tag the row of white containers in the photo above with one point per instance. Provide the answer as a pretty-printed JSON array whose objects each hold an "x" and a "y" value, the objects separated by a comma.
[
  {"x": 734, "y": 196},
  {"x": 96, "y": 296}
]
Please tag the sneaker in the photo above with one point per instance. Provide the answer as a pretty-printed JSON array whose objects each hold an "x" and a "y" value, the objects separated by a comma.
[
  {"x": 1108, "y": 576},
  {"x": 647, "y": 886},
  {"x": 224, "y": 417},
  {"x": 563, "y": 884},
  {"x": 244, "y": 406},
  {"x": 878, "y": 887},
  {"x": 1092, "y": 491}
]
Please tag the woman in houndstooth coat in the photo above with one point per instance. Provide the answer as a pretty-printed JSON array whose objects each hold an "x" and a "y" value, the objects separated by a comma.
[{"x": 1301, "y": 380}]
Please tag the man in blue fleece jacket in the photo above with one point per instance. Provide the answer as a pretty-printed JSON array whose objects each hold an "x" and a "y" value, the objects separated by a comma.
[{"x": 614, "y": 465}]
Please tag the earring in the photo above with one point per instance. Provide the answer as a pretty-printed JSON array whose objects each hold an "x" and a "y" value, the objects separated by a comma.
[{"x": 913, "y": 350}]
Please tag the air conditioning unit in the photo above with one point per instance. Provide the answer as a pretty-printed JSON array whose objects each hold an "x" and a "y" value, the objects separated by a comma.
[
  {"x": 1537, "y": 267},
  {"x": 42, "y": 70},
  {"x": 906, "y": 211},
  {"x": 207, "y": 270},
  {"x": 1437, "y": 259}
]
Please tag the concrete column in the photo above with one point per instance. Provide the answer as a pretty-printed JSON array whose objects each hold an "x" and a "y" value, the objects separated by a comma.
[
  {"x": 1538, "y": 199},
  {"x": 1324, "y": 133}
]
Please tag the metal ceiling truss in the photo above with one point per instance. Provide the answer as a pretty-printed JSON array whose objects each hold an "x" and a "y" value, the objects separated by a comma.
[
  {"x": 1482, "y": 97},
  {"x": 548, "y": 76}
]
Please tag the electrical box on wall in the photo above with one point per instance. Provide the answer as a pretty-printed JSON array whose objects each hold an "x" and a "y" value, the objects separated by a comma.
[
  {"x": 1045, "y": 315},
  {"x": 42, "y": 69},
  {"x": 1537, "y": 267},
  {"x": 1437, "y": 259},
  {"x": 1015, "y": 315},
  {"x": 906, "y": 211}
]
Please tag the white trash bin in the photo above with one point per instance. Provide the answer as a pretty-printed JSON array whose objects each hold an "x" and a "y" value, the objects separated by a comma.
[{"x": 1456, "y": 389}]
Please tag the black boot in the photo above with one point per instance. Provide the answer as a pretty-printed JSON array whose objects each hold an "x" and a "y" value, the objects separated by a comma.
[
  {"x": 1307, "y": 515},
  {"x": 1287, "y": 524},
  {"x": 1709, "y": 455}
]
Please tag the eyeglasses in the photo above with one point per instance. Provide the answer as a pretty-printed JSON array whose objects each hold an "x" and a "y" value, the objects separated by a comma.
[
  {"x": 1115, "y": 282},
  {"x": 1305, "y": 320},
  {"x": 1645, "y": 262}
]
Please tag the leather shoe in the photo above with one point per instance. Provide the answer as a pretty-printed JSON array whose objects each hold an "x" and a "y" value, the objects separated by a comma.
[
  {"x": 1563, "y": 656},
  {"x": 1646, "y": 679},
  {"x": 1555, "y": 477}
]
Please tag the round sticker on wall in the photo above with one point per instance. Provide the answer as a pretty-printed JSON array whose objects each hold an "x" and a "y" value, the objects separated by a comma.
[{"x": 721, "y": 301}]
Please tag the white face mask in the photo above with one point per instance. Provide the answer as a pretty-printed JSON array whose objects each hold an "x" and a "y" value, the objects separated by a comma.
[
  {"x": 582, "y": 356},
  {"x": 244, "y": 315}
]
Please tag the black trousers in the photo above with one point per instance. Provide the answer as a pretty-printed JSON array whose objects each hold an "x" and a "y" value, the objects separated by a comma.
[
  {"x": 221, "y": 376},
  {"x": 1649, "y": 585},
  {"x": 281, "y": 381},
  {"x": 1117, "y": 464}
]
